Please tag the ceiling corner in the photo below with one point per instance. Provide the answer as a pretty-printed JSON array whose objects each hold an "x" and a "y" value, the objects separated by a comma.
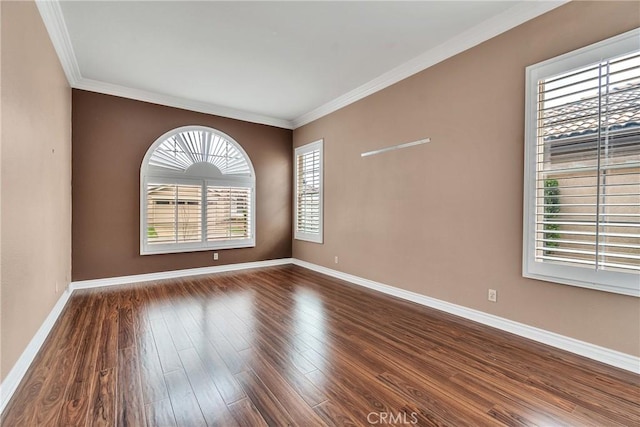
[{"x": 53, "y": 19}]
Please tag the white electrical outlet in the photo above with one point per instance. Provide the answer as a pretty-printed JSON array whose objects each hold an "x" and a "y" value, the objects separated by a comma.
[
  {"x": 493, "y": 295},
  {"x": 215, "y": 256},
  {"x": 336, "y": 259},
  {"x": 57, "y": 288}
]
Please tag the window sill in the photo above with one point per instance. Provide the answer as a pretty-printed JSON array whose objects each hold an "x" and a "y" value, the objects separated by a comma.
[
  {"x": 623, "y": 287},
  {"x": 309, "y": 238},
  {"x": 160, "y": 250}
]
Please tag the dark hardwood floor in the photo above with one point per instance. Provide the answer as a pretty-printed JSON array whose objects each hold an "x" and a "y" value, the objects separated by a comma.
[{"x": 286, "y": 346}]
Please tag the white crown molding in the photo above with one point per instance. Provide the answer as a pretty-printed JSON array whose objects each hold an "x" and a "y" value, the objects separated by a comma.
[
  {"x": 138, "y": 278},
  {"x": 15, "y": 375},
  {"x": 512, "y": 17},
  {"x": 582, "y": 348},
  {"x": 53, "y": 19},
  {"x": 178, "y": 102},
  {"x": 54, "y": 22}
]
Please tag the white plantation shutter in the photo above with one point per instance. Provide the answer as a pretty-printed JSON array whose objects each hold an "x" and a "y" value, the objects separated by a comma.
[
  {"x": 197, "y": 193},
  {"x": 582, "y": 205},
  {"x": 173, "y": 213},
  {"x": 198, "y": 145},
  {"x": 308, "y": 192},
  {"x": 228, "y": 213}
]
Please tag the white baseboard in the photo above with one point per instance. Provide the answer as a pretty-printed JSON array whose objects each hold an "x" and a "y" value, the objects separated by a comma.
[
  {"x": 592, "y": 351},
  {"x": 121, "y": 280},
  {"x": 601, "y": 354},
  {"x": 12, "y": 380},
  {"x": 15, "y": 375}
]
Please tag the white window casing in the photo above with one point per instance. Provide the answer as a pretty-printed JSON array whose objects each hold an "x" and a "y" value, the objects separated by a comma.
[
  {"x": 309, "y": 198},
  {"x": 197, "y": 193},
  {"x": 582, "y": 167}
]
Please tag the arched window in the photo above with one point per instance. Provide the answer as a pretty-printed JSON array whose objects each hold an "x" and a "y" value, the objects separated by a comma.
[{"x": 197, "y": 192}]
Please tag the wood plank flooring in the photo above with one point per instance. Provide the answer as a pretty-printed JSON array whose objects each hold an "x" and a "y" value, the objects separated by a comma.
[{"x": 285, "y": 346}]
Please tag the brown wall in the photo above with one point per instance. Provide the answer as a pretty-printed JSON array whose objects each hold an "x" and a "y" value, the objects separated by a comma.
[
  {"x": 110, "y": 138},
  {"x": 36, "y": 178},
  {"x": 445, "y": 219}
]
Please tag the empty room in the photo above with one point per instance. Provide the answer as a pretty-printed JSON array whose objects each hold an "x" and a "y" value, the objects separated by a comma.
[{"x": 319, "y": 213}]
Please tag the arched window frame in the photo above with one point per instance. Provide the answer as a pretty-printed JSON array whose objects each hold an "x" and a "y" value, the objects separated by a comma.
[{"x": 204, "y": 177}]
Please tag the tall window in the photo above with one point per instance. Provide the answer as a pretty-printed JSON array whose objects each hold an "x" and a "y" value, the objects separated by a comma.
[
  {"x": 582, "y": 177},
  {"x": 308, "y": 192},
  {"x": 197, "y": 193}
]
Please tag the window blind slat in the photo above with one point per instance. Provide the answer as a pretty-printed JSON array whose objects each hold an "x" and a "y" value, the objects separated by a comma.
[
  {"x": 173, "y": 213},
  {"x": 228, "y": 213}
]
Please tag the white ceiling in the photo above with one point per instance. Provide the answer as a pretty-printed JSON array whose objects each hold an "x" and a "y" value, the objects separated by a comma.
[{"x": 280, "y": 63}]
